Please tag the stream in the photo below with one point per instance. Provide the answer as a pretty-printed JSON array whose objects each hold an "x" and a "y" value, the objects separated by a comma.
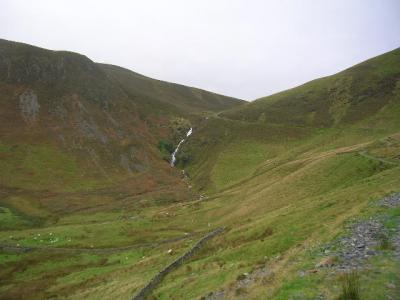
[{"x": 173, "y": 156}]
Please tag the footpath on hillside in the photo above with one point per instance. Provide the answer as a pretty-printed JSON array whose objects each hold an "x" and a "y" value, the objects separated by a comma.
[{"x": 351, "y": 252}]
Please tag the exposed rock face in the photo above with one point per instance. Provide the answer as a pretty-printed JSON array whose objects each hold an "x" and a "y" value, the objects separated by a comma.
[
  {"x": 104, "y": 119},
  {"x": 29, "y": 106},
  {"x": 89, "y": 129},
  {"x": 125, "y": 163}
]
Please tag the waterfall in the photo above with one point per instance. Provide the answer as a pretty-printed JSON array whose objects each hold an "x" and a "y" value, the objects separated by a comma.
[{"x": 173, "y": 156}]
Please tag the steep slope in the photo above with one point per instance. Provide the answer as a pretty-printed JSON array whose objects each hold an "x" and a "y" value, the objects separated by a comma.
[
  {"x": 69, "y": 124},
  {"x": 345, "y": 98},
  {"x": 282, "y": 190},
  {"x": 64, "y": 103},
  {"x": 284, "y": 175},
  {"x": 160, "y": 95},
  {"x": 159, "y": 103},
  {"x": 362, "y": 102}
]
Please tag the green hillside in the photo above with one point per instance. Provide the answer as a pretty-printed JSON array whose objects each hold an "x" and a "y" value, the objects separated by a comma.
[
  {"x": 71, "y": 125},
  {"x": 159, "y": 95},
  {"x": 285, "y": 176},
  {"x": 345, "y": 98},
  {"x": 358, "y": 104}
]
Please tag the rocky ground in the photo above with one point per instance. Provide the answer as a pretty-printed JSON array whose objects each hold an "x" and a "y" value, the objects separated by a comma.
[
  {"x": 351, "y": 252},
  {"x": 363, "y": 240},
  {"x": 243, "y": 282},
  {"x": 391, "y": 201}
]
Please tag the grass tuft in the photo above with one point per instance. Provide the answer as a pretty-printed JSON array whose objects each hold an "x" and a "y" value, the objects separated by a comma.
[
  {"x": 350, "y": 286},
  {"x": 385, "y": 242}
]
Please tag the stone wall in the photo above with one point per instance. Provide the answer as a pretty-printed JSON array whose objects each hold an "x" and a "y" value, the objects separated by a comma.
[{"x": 145, "y": 291}]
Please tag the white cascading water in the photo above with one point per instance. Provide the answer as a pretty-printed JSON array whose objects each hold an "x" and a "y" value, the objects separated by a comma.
[{"x": 173, "y": 156}]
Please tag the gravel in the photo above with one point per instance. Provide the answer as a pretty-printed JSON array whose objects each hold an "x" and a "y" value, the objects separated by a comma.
[
  {"x": 364, "y": 240},
  {"x": 361, "y": 244},
  {"x": 391, "y": 201}
]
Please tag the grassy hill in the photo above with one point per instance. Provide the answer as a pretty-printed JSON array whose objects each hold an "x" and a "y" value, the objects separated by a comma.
[
  {"x": 161, "y": 96},
  {"x": 70, "y": 125},
  {"x": 361, "y": 102},
  {"x": 344, "y": 98},
  {"x": 283, "y": 175}
]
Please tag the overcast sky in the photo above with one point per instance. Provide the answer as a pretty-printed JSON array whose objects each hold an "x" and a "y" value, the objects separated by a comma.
[{"x": 242, "y": 48}]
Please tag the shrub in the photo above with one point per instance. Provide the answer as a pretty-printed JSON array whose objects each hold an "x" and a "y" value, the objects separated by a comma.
[{"x": 165, "y": 146}]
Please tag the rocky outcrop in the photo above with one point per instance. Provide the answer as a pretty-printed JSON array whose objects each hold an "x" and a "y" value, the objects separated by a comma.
[
  {"x": 362, "y": 243},
  {"x": 365, "y": 239},
  {"x": 29, "y": 106},
  {"x": 391, "y": 201}
]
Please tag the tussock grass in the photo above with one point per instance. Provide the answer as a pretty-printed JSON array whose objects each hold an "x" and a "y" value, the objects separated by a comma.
[
  {"x": 350, "y": 283},
  {"x": 385, "y": 243}
]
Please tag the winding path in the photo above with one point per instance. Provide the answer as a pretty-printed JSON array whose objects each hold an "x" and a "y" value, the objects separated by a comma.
[{"x": 366, "y": 155}]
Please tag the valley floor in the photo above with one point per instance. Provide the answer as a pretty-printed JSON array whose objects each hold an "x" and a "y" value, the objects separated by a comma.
[{"x": 289, "y": 228}]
